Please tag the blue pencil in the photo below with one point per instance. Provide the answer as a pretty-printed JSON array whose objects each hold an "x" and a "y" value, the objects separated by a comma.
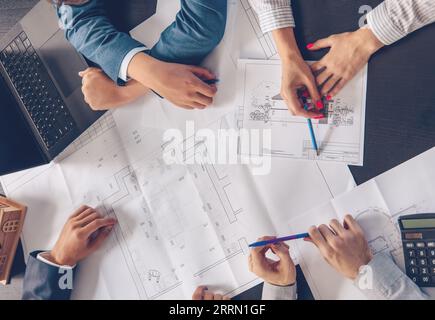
[
  {"x": 293, "y": 237},
  {"x": 313, "y": 137}
]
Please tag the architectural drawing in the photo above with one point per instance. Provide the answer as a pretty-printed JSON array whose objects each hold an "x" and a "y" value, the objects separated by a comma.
[
  {"x": 376, "y": 205},
  {"x": 340, "y": 134},
  {"x": 178, "y": 226},
  {"x": 389, "y": 241}
]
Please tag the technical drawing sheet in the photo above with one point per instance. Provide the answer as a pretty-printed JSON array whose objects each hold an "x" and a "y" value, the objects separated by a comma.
[
  {"x": 179, "y": 226},
  {"x": 376, "y": 205},
  {"x": 340, "y": 136}
]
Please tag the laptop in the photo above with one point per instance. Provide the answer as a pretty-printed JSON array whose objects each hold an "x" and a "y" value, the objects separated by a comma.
[{"x": 42, "y": 109}]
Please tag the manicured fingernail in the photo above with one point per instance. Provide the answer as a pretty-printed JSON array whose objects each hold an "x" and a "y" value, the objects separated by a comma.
[
  {"x": 319, "y": 117},
  {"x": 310, "y": 45},
  {"x": 319, "y": 105},
  {"x": 328, "y": 97}
]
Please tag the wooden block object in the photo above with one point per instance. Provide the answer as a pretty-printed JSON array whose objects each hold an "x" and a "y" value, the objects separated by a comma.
[{"x": 12, "y": 216}]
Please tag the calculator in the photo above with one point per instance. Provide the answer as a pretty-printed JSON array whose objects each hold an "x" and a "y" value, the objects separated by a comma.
[{"x": 418, "y": 237}]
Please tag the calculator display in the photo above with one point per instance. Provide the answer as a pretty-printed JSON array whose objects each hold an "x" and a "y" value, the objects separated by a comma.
[
  {"x": 418, "y": 223},
  {"x": 413, "y": 236}
]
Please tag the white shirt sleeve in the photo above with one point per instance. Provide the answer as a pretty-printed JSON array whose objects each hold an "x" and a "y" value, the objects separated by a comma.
[
  {"x": 273, "y": 14},
  {"x": 394, "y": 19},
  {"x": 126, "y": 62},
  {"x": 42, "y": 259}
]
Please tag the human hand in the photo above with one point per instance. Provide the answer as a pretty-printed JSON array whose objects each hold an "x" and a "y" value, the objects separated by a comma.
[
  {"x": 180, "y": 84},
  {"x": 349, "y": 53},
  {"x": 101, "y": 93},
  {"x": 281, "y": 272},
  {"x": 344, "y": 247},
  {"x": 83, "y": 233},
  {"x": 202, "y": 293},
  {"x": 296, "y": 75}
]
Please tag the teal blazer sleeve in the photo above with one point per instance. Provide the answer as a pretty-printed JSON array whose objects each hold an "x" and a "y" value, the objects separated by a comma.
[
  {"x": 42, "y": 281},
  {"x": 88, "y": 28}
]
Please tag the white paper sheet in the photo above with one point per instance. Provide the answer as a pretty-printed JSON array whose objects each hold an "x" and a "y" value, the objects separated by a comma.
[
  {"x": 340, "y": 136},
  {"x": 196, "y": 221}
]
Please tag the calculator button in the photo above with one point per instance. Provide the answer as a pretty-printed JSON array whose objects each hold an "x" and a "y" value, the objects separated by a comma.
[
  {"x": 422, "y": 262},
  {"x": 432, "y": 270},
  {"x": 431, "y": 244},
  {"x": 412, "y": 262},
  {"x": 411, "y": 253},
  {"x": 431, "y": 252},
  {"x": 420, "y": 245},
  {"x": 414, "y": 271},
  {"x": 414, "y": 279},
  {"x": 424, "y": 271},
  {"x": 432, "y": 262},
  {"x": 421, "y": 253},
  {"x": 425, "y": 279},
  {"x": 409, "y": 245}
]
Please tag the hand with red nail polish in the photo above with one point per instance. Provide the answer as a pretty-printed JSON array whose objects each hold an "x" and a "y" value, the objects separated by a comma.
[
  {"x": 296, "y": 74},
  {"x": 349, "y": 53}
]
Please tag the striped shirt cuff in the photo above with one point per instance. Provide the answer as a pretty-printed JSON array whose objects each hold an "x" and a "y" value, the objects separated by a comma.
[
  {"x": 276, "y": 19},
  {"x": 383, "y": 26}
]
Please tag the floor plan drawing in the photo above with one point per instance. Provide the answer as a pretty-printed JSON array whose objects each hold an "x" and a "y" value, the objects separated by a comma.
[
  {"x": 179, "y": 226},
  {"x": 376, "y": 205},
  {"x": 340, "y": 135},
  {"x": 389, "y": 241}
]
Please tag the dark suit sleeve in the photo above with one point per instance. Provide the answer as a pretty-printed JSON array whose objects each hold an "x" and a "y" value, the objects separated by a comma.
[
  {"x": 43, "y": 281},
  {"x": 91, "y": 32}
]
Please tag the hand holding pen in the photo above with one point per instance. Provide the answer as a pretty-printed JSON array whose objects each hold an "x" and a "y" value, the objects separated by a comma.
[{"x": 281, "y": 272}]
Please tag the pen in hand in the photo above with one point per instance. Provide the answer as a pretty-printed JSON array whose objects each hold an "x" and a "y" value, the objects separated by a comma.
[
  {"x": 282, "y": 239},
  {"x": 209, "y": 82}
]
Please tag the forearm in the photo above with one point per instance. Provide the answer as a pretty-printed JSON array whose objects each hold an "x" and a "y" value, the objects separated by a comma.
[
  {"x": 382, "y": 279},
  {"x": 141, "y": 68},
  {"x": 394, "y": 19},
  {"x": 90, "y": 31},
  {"x": 132, "y": 91},
  {"x": 286, "y": 44}
]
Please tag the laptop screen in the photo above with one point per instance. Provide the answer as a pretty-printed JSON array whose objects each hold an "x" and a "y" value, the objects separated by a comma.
[{"x": 18, "y": 147}]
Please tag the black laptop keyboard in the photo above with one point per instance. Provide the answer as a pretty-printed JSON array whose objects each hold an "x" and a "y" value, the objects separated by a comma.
[{"x": 37, "y": 91}]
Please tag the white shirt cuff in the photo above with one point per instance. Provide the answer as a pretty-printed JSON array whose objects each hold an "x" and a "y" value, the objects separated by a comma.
[
  {"x": 272, "y": 292},
  {"x": 126, "y": 62},
  {"x": 42, "y": 259}
]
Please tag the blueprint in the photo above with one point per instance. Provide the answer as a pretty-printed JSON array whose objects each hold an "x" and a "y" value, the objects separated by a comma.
[
  {"x": 376, "y": 205},
  {"x": 340, "y": 135},
  {"x": 179, "y": 225}
]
